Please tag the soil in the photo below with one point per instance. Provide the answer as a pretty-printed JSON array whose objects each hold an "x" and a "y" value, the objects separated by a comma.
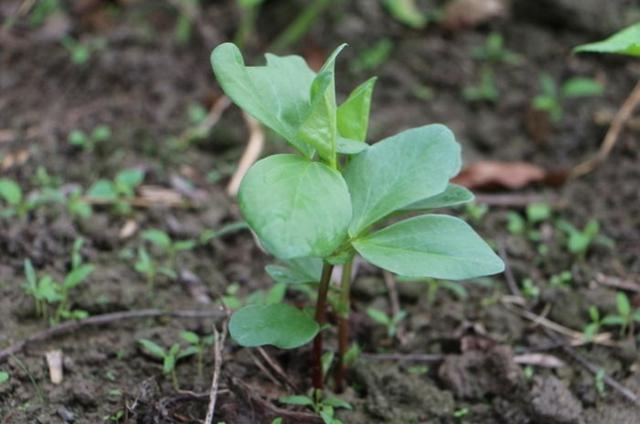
[{"x": 142, "y": 84}]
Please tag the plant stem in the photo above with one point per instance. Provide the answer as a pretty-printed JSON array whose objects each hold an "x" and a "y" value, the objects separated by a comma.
[
  {"x": 343, "y": 325},
  {"x": 321, "y": 306}
]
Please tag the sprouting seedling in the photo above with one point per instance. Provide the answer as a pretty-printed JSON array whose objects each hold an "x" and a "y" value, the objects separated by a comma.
[
  {"x": 529, "y": 289},
  {"x": 494, "y": 50},
  {"x": 626, "y": 316},
  {"x": 146, "y": 266},
  {"x": 475, "y": 212},
  {"x": 485, "y": 91},
  {"x": 199, "y": 344},
  {"x": 169, "y": 357},
  {"x": 593, "y": 328},
  {"x": 332, "y": 198},
  {"x": 88, "y": 142},
  {"x": 551, "y": 98},
  {"x": 580, "y": 241},
  {"x": 14, "y": 199},
  {"x": 118, "y": 192},
  {"x": 373, "y": 56},
  {"x": 81, "y": 51},
  {"x": 562, "y": 279},
  {"x": 77, "y": 205},
  {"x": 535, "y": 214},
  {"x": 390, "y": 322},
  {"x": 46, "y": 291},
  {"x": 170, "y": 247},
  {"x": 323, "y": 406}
]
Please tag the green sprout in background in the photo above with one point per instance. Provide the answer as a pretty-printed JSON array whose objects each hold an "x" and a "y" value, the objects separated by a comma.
[{"x": 551, "y": 98}]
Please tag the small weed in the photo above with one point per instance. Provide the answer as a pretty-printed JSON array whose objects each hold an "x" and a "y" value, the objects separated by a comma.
[
  {"x": 626, "y": 316},
  {"x": 323, "y": 406},
  {"x": 118, "y": 192},
  {"x": 88, "y": 142},
  {"x": 169, "y": 357},
  {"x": 485, "y": 91},
  {"x": 551, "y": 98},
  {"x": 390, "y": 322},
  {"x": 494, "y": 50}
]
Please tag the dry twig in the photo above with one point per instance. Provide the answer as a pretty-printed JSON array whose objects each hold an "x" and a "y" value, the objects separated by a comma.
[
  {"x": 612, "y": 135},
  {"x": 218, "y": 346},
  {"x": 250, "y": 155},
  {"x": 618, "y": 283}
]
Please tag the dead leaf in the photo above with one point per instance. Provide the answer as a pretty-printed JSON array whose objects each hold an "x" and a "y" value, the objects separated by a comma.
[
  {"x": 540, "y": 360},
  {"x": 13, "y": 159},
  {"x": 493, "y": 174},
  {"x": 469, "y": 13}
]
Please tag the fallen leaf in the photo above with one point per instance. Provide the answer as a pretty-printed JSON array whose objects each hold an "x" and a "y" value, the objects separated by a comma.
[
  {"x": 492, "y": 174},
  {"x": 469, "y": 13},
  {"x": 540, "y": 360}
]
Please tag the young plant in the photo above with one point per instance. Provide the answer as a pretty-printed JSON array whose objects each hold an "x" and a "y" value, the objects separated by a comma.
[
  {"x": 118, "y": 192},
  {"x": 16, "y": 203},
  {"x": 170, "y": 247},
  {"x": 333, "y": 198},
  {"x": 580, "y": 241},
  {"x": 198, "y": 344},
  {"x": 626, "y": 316},
  {"x": 146, "y": 266},
  {"x": 323, "y": 406},
  {"x": 494, "y": 50},
  {"x": 485, "y": 91},
  {"x": 551, "y": 98},
  {"x": 88, "y": 142},
  {"x": 593, "y": 328},
  {"x": 407, "y": 13},
  {"x": 81, "y": 51},
  {"x": 169, "y": 357},
  {"x": 386, "y": 320}
]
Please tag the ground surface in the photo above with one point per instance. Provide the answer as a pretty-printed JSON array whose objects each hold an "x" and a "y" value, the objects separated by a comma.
[{"x": 142, "y": 85}]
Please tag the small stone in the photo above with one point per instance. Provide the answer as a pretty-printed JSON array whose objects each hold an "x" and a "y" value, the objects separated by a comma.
[
  {"x": 66, "y": 415},
  {"x": 551, "y": 402}
]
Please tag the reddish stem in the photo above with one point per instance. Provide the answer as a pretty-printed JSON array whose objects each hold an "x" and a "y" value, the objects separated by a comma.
[
  {"x": 321, "y": 317},
  {"x": 343, "y": 326}
]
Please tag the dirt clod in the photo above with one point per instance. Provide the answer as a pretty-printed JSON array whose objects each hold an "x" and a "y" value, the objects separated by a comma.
[{"x": 552, "y": 402}]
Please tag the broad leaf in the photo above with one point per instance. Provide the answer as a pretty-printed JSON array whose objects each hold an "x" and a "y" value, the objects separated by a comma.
[
  {"x": 280, "y": 325},
  {"x": 353, "y": 114},
  {"x": 296, "y": 271},
  {"x": 437, "y": 246},
  {"x": 103, "y": 189},
  {"x": 278, "y": 94},
  {"x": 400, "y": 170},
  {"x": 300, "y": 400},
  {"x": 454, "y": 195},
  {"x": 296, "y": 207},
  {"x": 157, "y": 237},
  {"x": 625, "y": 41},
  {"x": 319, "y": 128},
  {"x": 582, "y": 87},
  {"x": 153, "y": 348}
]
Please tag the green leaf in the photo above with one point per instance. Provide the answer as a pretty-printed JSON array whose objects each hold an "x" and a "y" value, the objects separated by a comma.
[
  {"x": 538, "y": 212},
  {"x": 300, "y": 400},
  {"x": 275, "y": 294},
  {"x": 613, "y": 320},
  {"x": 296, "y": 271},
  {"x": 379, "y": 316},
  {"x": 189, "y": 351},
  {"x": 350, "y": 147},
  {"x": 452, "y": 196},
  {"x": 77, "y": 276},
  {"x": 30, "y": 273},
  {"x": 295, "y": 206},
  {"x": 10, "y": 191},
  {"x": 437, "y": 246},
  {"x": 319, "y": 128},
  {"x": 103, "y": 189},
  {"x": 279, "y": 324},
  {"x": 128, "y": 179},
  {"x": 157, "y": 237},
  {"x": 406, "y": 12},
  {"x": 582, "y": 87},
  {"x": 153, "y": 348},
  {"x": 278, "y": 94},
  {"x": 337, "y": 403},
  {"x": 353, "y": 114},
  {"x": 400, "y": 170},
  {"x": 190, "y": 337},
  {"x": 625, "y": 41},
  {"x": 623, "y": 304},
  {"x": 185, "y": 245},
  {"x": 4, "y": 377}
]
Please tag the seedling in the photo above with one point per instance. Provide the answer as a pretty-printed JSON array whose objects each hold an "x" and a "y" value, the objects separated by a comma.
[
  {"x": 325, "y": 407},
  {"x": 562, "y": 279},
  {"x": 494, "y": 50},
  {"x": 146, "y": 266},
  {"x": 535, "y": 214},
  {"x": 551, "y": 98},
  {"x": 580, "y": 241},
  {"x": 388, "y": 321},
  {"x": 77, "y": 204},
  {"x": 118, "y": 192},
  {"x": 81, "y": 51},
  {"x": 434, "y": 285},
  {"x": 170, "y": 247},
  {"x": 599, "y": 382},
  {"x": 626, "y": 316},
  {"x": 4, "y": 377},
  {"x": 199, "y": 344},
  {"x": 16, "y": 203},
  {"x": 485, "y": 91},
  {"x": 329, "y": 200},
  {"x": 529, "y": 289},
  {"x": 45, "y": 291},
  {"x": 88, "y": 142},
  {"x": 476, "y": 212},
  {"x": 593, "y": 328},
  {"x": 373, "y": 56},
  {"x": 169, "y": 357}
]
